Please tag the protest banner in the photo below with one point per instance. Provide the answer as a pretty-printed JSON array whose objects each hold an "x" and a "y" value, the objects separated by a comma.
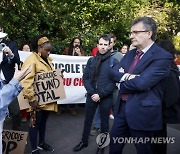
[
  {"x": 48, "y": 88},
  {"x": 73, "y": 67},
  {"x": 13, "y": 142}
]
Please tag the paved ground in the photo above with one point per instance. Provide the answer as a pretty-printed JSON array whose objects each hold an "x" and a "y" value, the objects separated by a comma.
[{"x": 64, "y": 132}]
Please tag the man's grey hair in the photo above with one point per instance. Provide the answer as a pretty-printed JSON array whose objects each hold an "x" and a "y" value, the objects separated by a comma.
[{"x": 149, "y": 24}]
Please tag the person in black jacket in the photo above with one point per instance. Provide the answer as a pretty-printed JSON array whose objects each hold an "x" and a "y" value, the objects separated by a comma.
[
  {"x": 99, "y": 89},
  {"x": 7, "y": 68},
  {"x": 171, "y": 98}
]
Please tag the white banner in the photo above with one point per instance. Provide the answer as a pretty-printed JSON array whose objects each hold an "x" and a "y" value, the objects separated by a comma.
[{"x": 73, "y": 70}]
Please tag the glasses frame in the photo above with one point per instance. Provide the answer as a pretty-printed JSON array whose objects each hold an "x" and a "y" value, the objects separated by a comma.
[{"x": 136, "y": 32}]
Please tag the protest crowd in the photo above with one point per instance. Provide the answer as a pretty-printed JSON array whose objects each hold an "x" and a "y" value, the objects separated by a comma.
[{"x": 137, "y": 86}]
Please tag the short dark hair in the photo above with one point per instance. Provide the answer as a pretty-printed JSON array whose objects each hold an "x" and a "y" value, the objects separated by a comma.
[
  {"x": 114, "y": 37},
  {"x": 168, "y": 46},
  {"x": 106, "y": 37},
  {"x": 126, "y": 46},
  {"x": 149, "y": 23}
]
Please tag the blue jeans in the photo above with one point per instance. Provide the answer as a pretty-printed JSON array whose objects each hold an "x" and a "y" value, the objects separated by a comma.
[
  {"x": 90, "y": 109},
  {"x": 97, "y": 120}
]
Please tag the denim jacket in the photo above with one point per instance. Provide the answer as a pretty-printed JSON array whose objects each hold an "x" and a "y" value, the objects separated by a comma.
[{"x": 7, "y": 94}]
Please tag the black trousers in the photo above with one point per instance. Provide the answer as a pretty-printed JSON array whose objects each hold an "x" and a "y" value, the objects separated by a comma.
[
  {"x": 90, "y": 109},
  {"x": 15, "y": 113},
  {"x": 161, "y": 148},
  {"x": 40, "y": 127}
]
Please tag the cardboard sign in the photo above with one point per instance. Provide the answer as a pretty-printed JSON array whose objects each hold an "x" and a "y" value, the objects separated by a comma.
[
  {"x": 48, "y": 88},
  {"x": 13, "y": 142}
]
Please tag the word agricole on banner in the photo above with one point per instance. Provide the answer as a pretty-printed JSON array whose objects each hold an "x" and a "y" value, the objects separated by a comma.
[
  {"x": 72, "y": 68},
  {"x": 13, "y": 142}
]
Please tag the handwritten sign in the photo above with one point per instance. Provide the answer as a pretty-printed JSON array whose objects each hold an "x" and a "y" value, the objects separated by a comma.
[
  {"x": 48, "y": 88},
  {"x": 13, "y": 142}
]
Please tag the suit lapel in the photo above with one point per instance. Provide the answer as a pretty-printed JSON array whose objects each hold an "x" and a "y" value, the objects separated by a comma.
[
  {"x": 146, "y": 57},
  {"x": 129, "y": 60}
]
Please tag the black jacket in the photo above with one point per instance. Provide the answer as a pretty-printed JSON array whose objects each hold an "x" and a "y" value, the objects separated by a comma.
[
  {"x": 171, "y": 106},
  {"x": 8, "y": 65},
  {"x": 103, "y": 85}
]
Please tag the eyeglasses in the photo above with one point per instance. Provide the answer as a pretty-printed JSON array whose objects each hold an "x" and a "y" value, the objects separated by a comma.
[{"x": 137, "y": 32}]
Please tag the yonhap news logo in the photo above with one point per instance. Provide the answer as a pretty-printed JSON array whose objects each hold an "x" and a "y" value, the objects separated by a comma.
[
  {"x": 143, "y": 140},
  {"x": 103, "y": 140}
]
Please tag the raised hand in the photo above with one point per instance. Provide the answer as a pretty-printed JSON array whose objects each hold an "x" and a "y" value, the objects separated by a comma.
[
  {"x": 78, "y": 51},
  {"x": 19, "y": 75},
  {"x": 7, "y": 51}
]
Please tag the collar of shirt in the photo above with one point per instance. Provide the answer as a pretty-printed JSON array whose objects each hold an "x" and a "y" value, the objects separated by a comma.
[{"x": 146, "y": 49}]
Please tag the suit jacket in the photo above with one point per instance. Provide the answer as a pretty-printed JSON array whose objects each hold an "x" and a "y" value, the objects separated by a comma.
[
  {"x": 8, "y": 65},
  {"x": 144, "y": 103}
]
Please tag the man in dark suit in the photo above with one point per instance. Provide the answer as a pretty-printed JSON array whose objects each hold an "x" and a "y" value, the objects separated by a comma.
[
  {"x": 7, "y": 67},
  {"x": 142, "y": 75}
]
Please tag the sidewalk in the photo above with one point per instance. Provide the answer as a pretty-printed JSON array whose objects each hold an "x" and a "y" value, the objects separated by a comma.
[{"x": 64, "y": 132}]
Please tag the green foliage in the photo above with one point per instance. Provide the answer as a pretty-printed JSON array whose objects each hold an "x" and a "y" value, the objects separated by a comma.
[
  {"x": 61, "y": 20},
  {"x": 176, "y": 42},
  {"x": 166, "y": 15}
]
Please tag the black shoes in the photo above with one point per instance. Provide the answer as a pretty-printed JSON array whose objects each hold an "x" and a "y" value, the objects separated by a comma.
[
  {"x": 35, "y": 151},
  {"x": 45, "y": 147},
  {"x": 80, "y": 146},
  {"x": 100, "y": 151}
]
